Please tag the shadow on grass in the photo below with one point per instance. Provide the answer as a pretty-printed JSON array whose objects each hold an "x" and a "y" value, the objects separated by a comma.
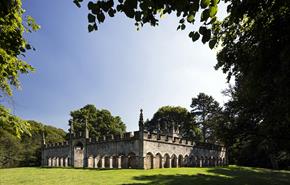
[{"x": 220, "y": 176}]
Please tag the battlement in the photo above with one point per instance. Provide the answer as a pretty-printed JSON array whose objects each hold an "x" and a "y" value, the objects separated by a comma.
[
  {"x": 156, "y": 137},
  {"x": 57, "y": 145},
  {"x": 210, "y": 146},
  {"x": 167, "y": 139},
  {"x": 108, "y": 138}
]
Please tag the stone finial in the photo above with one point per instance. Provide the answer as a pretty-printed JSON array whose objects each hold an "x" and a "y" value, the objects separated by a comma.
[
  {"x": 71, "y": 126},
  {"x": 86, "y": 129},
  {"x": 141, "y": 121},
  {"x": 43, "y": 138}
]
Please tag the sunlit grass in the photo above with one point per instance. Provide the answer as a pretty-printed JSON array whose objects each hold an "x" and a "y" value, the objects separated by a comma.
[{"x": 201, "y": 176}]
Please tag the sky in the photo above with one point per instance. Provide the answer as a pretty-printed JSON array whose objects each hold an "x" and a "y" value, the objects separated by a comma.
[{"x": 116, "y": 68}]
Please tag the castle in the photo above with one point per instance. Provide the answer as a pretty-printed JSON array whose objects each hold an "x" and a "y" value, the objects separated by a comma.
[{"x": 142, "y": 149}]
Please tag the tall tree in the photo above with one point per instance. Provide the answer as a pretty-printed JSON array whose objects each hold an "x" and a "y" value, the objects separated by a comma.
[
  {"x": 13, "y": 44},
  {"x": 206, "y": 111},
  {"x": 100, "y": 122},
  {"x": 255, "y": 50},
  {"x": 26, "y": 151},
  {"x": 177, "y": 119}
]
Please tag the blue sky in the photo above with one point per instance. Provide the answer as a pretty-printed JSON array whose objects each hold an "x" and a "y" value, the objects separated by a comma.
[{"x": 116, "y": 68}]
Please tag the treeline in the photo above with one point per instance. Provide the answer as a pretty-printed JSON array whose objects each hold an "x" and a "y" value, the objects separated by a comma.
[
  {"x": 26, "y": 150},
  {"x": 22, "y": 146}
]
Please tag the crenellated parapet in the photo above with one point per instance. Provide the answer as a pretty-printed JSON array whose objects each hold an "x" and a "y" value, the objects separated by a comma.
[
  {"x": 210, "y": 146},
  {"x": 57, "y": 145},
  {"x": 156, "y": 137}
]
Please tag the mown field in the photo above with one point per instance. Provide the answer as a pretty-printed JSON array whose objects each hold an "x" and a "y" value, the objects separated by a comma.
[{"x": 231, "y": 175}]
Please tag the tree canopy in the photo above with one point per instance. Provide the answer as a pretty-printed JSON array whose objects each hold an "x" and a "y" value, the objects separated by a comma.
[
  {"x": 178, "y": 119},
  {"x": 207, "y": 111},
  {"x": 26, "y": 151},
  {"x": 100, "y": 122},
  {"x": 13, "y": 45}
]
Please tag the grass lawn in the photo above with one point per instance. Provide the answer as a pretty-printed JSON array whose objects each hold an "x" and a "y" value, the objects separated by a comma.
[{"x": 231, "y": 175}]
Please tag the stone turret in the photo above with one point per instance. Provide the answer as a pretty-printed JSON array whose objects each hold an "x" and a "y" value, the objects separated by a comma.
[
  {"x": 141, "y": 121},
  {"x": 71, "y": 127}
]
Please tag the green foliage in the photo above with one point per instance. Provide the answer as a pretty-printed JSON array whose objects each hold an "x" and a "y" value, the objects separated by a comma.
[
  {"x": 149, "y": 11},
  {"x": 12, "y": 44},
  {"x": 207, "y": 112},
  {"x": 13, "y": 124},
  {"x": 255, "y": 50},
  {"x": 26, "y": 151},
  {"x": 168, "y": 116},
  {"x": 9, "y": 149},
  {"x": 100, "y": 122},
  {"x": 233, "y": 175}
]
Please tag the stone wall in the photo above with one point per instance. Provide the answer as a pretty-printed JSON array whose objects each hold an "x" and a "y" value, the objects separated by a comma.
[{"x": 133, "y": 150}]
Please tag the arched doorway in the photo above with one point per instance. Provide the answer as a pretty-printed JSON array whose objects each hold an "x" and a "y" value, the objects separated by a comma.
[
  {"x": 124, "y": 162},
  {"x": 79, "y": 155},
  {"x": 173, "y": 161},
  {"x": 115, "y": 162},
  {"x": 180, "y": 161},
  {"x": 131, "y": 160},
  {"x": 158, "y": 161},
  {"x": 107, "y": 162},
  {"x": 149, "y": 161},
  {"x": 185, "y": 161},
  {"x": 166, "y": 161}
]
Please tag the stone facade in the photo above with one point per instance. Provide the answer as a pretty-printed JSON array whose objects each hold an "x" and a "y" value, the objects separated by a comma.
[{"x": 140, "y": 149}]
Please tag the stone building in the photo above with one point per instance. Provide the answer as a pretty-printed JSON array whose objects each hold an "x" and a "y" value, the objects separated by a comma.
[{"x": 139, "y": 149}]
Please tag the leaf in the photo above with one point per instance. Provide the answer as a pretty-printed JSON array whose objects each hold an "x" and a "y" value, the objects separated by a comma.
[
  {"x": 206, "y": 36},
  {"x": 91, "y": 18},
  {"x": 182, "y": 26},
  {"x": 204, "y": 15},
  {"x": 131, "y": 4},
  {"x": 204, "y": 3},
  {"x": 90, "y": 5},
  {"x": 195, "y": 36},
  {"x": 129, "y": 12},
  {"x": 90, "y": 28},
  {"x": 101, "y": 17},
  {"x": 77, "y": 3},
  {"x": 212, "y": 43},
  {"x": 215, "y": 2},
  {"x": 191, "y": 34},
  {"x": 202, "y": 30},
  {"x": 111, "y": 12},
  {"x": 27, "y": 46},
  {"x": 181, "y": 21},
  {"x": 213, "y": 10},
  {"x": 190, "y": 18},
  {"x": 138, "y": 16}
]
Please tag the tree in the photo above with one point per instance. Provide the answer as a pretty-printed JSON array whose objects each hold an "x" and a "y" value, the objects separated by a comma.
[
  {"x": 26, "y": 151},
  {"x": 13, "y": 124},
  {"x": 169, "y": 118},
  {"x": 256, "y": 45},
  {"x": 100, "y": 122},
  {"x": 13, "y": 44},
  {"x": 206, "y": 111}
]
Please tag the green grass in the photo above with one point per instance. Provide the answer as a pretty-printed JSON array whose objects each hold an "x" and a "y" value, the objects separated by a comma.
[{"x": 231, "y": 175}]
